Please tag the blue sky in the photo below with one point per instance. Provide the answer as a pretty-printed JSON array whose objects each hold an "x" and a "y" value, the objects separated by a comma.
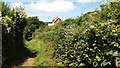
[{"x": 46, "y": 10}]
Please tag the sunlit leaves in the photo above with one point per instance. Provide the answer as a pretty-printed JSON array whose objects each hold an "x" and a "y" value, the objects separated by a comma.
[
  {"x": 92, "y": 43},
  {"x": 13, "y": 23},
  {"x": 92, "y": 40}
]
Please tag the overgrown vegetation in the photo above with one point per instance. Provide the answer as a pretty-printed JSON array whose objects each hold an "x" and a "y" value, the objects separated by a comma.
[
  {"x": 33, "y": 23},
  {"x": 91, "y": 40},
  {"x": 45, "y": 52},
  {"x": 14, "y": 22}
]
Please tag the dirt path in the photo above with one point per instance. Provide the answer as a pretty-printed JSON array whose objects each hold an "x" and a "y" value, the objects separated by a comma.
[
  {"x": 29, "y": 62},
  {"x": 44, "y": 54}
]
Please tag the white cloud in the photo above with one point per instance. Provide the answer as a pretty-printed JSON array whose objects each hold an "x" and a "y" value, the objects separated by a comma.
[
  {"x": 54, "y": 6},
  {"x": 16, "y": 4},
  {"x": 29, "y": 15},
  {"x": 87, "y": 1}
]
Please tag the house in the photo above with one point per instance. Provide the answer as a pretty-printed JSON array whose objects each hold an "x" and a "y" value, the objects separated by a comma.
[{"x": 55, "y": 21}]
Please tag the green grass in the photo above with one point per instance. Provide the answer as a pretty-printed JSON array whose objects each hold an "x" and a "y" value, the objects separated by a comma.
[{"x": 45, "y": 52}]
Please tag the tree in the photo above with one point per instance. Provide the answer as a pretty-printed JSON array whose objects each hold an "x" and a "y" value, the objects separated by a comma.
[{"x": 33, "y": 23}]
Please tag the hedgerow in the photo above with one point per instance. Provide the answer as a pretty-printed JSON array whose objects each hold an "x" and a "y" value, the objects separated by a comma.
[{"x": 91, "y": 40}]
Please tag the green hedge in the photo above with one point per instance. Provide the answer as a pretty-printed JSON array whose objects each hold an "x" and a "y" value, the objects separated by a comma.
[{"x": 92, "y": 40}]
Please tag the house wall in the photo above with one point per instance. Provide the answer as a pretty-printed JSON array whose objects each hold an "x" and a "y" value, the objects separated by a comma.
[
  {"x": 58, "y": 21},
  {"x": 55, "y": 21},
  {"x": 51, "y": 24}
]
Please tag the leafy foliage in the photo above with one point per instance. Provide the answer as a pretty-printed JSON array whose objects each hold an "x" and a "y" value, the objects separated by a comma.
[
  {"x": 16, "y": 27},
  {"x": 13, "y": 23},
  {"x": 33, "y": 23},
  {"x": 92, "y": 40}
]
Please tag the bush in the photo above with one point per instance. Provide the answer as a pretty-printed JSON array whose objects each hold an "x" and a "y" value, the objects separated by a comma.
[{"x": 92, "y": 40}]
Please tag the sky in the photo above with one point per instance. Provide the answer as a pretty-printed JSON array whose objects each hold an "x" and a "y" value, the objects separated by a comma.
[{"x": 46, "y": 10}]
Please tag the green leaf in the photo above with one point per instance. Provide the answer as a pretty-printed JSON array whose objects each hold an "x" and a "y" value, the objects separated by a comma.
[
  {"x": 115, "y": 53},
  {"x": 105, "y": 62},
  {"x": 98, "y": 58},
  {"x": 116, "y": 45}
]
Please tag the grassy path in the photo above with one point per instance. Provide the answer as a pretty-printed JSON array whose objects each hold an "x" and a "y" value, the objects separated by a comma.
[{"x": 44, "y": 55}]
